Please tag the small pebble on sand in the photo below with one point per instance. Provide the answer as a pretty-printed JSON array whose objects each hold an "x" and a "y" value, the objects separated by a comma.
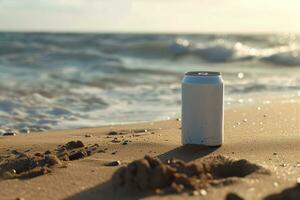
[
  {"x": 13, "y": 171},
  {"x": 113, "y": 133},
  {"x": 114, "y": 163},
  {"x": 88, "y": 135},
  {"x": 203, "y": 192}
]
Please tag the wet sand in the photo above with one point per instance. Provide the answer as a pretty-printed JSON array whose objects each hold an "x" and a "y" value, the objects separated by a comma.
[{"x": 267, "y": 135}]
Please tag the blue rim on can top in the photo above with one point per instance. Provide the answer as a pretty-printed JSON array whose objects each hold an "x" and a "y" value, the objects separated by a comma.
[{"x": 203, "y": 73}]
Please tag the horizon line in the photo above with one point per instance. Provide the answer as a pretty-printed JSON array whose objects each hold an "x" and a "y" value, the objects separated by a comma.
[{"x": 152, "y": 32}]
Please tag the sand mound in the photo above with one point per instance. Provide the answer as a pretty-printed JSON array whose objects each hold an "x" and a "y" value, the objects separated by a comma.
[
  {"x": 23, "y": 165},
  {"x": 178, "y": 176},
  {"x": 27, "y": 166}
]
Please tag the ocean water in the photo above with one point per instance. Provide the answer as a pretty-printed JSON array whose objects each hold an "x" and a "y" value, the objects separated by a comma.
[{"x": 61, "y": 81}]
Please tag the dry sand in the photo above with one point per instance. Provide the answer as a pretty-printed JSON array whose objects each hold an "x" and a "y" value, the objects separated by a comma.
[{"x": 267, "y": 135}]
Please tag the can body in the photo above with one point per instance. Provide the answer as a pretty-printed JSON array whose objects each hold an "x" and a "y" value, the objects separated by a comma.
[{"x": 202, "y": 109}]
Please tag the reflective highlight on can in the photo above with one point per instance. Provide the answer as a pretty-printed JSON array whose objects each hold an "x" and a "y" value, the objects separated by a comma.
[{"x": 202, "y": 108}]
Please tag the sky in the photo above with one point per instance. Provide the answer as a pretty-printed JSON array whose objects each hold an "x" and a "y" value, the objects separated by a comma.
[{"x": 188, "y": 16}]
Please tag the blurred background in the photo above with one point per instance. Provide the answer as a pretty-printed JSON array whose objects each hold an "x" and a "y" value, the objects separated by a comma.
[{"x": 80, "y": 63}]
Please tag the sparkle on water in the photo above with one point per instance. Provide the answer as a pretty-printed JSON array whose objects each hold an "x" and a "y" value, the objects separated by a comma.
[{"x": 240, "y": 75}]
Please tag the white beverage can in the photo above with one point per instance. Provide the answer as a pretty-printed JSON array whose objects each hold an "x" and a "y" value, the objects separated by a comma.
[{"x": 202, "y": 108}]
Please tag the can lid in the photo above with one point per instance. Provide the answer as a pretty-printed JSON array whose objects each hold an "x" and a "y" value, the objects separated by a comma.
[
  {"x": 203, "y": 73},
  {"x": 202, "y": 77}
]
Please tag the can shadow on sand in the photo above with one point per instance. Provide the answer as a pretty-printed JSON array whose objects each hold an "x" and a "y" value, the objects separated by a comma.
[{"x": 187, "y": 153}]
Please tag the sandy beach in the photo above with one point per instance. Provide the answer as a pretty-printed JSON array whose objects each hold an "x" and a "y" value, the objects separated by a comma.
[
  {"x": 149, "y": 100},
  {"x": 264, "y": 134}
]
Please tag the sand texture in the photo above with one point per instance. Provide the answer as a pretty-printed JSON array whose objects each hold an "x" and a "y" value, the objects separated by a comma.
[{"x": 260, "y": 159}]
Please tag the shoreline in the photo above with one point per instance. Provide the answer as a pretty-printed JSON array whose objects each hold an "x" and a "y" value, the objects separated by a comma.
[
  {"x": 267, "y": 135},
  {"x": 240, "y": 102}
]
